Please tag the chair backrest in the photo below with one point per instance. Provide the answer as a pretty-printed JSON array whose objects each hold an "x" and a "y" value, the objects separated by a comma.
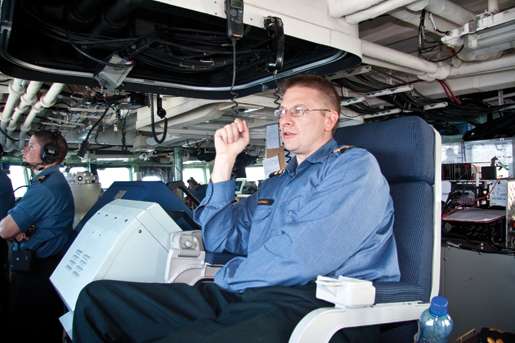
[{"x": 405, "y": 150}]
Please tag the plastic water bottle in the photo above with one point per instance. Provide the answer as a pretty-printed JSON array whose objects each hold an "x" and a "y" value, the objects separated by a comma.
[{"x": 435, "y": 324}]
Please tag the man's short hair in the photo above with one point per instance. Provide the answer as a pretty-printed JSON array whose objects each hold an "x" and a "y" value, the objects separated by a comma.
[
  {"x": 53, "y": 137},
  {"x": 322, "y": 85}
]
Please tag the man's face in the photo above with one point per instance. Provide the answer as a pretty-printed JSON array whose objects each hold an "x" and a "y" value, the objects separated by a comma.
[
  {"x": 305, "y": 134},
  {"x": 32, "y": 152}
]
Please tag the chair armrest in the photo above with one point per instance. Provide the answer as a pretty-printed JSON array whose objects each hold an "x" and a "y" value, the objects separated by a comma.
[
  {"x": 186, "y": 258},
  {"x": 188, "y": 262},
  {"x": 321, "y": 324},
  {"x": 398, "y": 291}
]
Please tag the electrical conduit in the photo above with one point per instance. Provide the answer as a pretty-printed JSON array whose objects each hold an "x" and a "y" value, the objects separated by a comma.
[
  {"x": 27, "y": 100},
  {"x": 16, "y": 88}
]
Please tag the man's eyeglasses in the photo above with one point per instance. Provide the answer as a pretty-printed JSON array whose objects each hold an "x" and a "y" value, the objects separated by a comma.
[{"x": 296, "y": 111}]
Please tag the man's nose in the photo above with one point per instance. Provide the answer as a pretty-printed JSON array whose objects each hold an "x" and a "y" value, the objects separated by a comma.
[{"x": 285, "y": 120}]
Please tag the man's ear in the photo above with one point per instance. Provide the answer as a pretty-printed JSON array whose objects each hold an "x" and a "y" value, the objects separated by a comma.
[{"x": 331, "y": 120}]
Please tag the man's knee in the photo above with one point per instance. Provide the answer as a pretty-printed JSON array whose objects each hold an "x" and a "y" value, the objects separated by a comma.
[{"x": 92, "y": 292}]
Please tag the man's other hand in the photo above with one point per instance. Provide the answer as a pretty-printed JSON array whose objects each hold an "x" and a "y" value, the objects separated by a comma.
[
  {"x": 21, "y": 237},
  {"x": 231, "y": 139}
]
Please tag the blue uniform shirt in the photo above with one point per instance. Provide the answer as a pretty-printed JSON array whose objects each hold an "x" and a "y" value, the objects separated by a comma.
[
  {"x": 332, "y": 215},
  {"x": 48, "y": 205},
  {"x": 6, "y": 194}
]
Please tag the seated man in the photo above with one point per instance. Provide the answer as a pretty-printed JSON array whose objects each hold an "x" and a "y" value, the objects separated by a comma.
[{"x": 328, "y": 213}]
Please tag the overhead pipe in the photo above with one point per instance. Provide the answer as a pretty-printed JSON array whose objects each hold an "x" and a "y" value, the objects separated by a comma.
[
  {"x": 493, "y": 6},
  {"x": 27, "y": 100},
  {"x": 377, "y": 10},
  {"x": 341, "y": 8},
  {"x": 386, "y": 65},
  {"x": 381, "y": 56},
  {"x": 47, "y": 101},
  {"x": 502, "y": 37},
  {"x": 506, "y": 62},
  {"x": 469, "y": 84},
  {"x": 16, "y": 88},
  {"x": 445, "y": 9},
  {"x": 382, "y": 53}
]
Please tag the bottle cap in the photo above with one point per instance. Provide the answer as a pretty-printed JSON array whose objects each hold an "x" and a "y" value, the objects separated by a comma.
[{"x": 439, "y": 306}]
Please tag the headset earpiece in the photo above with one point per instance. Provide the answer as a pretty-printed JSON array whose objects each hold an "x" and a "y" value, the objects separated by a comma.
[{"x": 50, "y": 151}]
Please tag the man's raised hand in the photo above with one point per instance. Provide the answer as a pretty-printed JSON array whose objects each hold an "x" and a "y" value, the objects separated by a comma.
[{"x": 232, "y": 139}]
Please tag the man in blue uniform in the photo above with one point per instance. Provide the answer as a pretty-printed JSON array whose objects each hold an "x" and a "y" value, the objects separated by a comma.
[
  {"x": 39, "y": 229},
  {"x": 328, "y": 213},
  {"x": 6, "y": 190},
  {"x": 6, "y": 203}
]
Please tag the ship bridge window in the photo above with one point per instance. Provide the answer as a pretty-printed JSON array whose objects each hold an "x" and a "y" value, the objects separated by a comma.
[
  {"x": 106, "y": 176},
  {"x": 492, "y": 151},
  {"x": 199, "y": 173},
  {"x": 255, "y": 173},
  {"x": 452, "y": 153},
  {"x": 19, "y": 178}
]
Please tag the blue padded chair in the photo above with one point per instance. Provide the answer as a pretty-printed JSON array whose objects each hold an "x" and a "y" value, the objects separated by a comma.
[{"x": 408, "y": 151}]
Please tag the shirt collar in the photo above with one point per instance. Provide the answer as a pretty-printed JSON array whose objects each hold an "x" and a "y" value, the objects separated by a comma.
[
  {"x": 47, "y": 171},
  {"x": 317, "y": 157}
]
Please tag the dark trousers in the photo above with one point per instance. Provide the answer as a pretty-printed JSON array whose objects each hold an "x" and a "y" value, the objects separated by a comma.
[
  {"x": 34, "y": 306},
  {"x": 114, "y": 311},
  {"x": 4, "y": 281}
]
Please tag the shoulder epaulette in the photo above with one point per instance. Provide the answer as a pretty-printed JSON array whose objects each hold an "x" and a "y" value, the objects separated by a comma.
[
  {"x": 342, "y": 149},
  {"x": 277, "y": 172},
  {"x": 41, "y": 178}
]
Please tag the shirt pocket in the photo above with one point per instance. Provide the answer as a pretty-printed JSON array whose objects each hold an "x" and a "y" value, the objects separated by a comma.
[
  {"x": 292, "y": 208},
  {"x": 262, "y": 212}
]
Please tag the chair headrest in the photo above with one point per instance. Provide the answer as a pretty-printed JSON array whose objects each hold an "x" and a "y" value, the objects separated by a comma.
[{"x": 404, "y": 147}]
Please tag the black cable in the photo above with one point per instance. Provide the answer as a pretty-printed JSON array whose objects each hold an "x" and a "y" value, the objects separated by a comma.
[
  {"x": 98, "y": 121},
  {"x": 420, "y": 32},
  {"x": 208, "y": 44},
  {"x": 19, "y": 188},
  {"x": 234, "y": 94},
  {"x": 153, "y": 126},
  {"x": 124, "y": 133},
  {"x": 94, "y": 59},
  {"x": 456, "y": 52},
  {"x": 9, "y": 137},
  {"x": 84, "y": 145}
]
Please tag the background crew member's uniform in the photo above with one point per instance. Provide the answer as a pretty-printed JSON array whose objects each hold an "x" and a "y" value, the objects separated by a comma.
[
  {"x": 332, "y": 215},
  {"x": 45, "y": 214},
  {"x": 6, "y": 194},
  {"x": 6, "y": 203}
]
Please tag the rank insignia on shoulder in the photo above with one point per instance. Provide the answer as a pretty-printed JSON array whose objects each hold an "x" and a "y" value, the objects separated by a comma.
[
  {"x": 264, "y": 201},
  {"x": 277, "y": 172},
  {"x": 41, "y": 178},
  {"x": 342, "y": 149}
]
